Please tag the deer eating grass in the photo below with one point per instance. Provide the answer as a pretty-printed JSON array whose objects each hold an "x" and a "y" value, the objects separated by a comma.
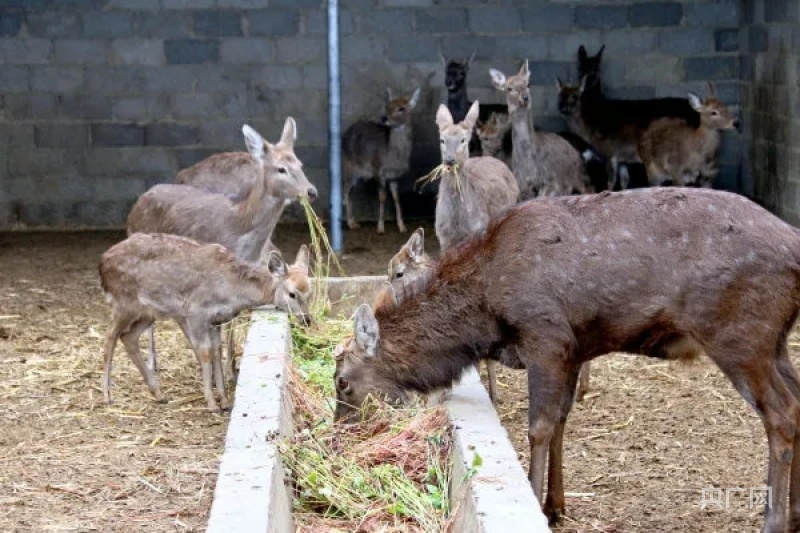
[
  {"x": 713, "y": 273},
  {"x": 149, "y": 277},
  {"x": 676, "y": 153},
  {"x": 379, "y": 150},
  {"x": 545, "y": 164}
]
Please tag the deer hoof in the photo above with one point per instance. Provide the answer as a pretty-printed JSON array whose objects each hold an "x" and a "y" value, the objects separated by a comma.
[
  {"x": 552, "y": 512},
  {"x": 162, "y": 400},
  {"x": 401, "y": 228},
  {"x": 381, "y": 229},
  {"x": 352, "y": 224}
]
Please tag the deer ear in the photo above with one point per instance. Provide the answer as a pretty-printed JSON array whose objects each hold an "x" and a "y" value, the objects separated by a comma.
[
  {"x": 711, "y": 91},
  {"x": 441, "y": 56},
  {"x": 443, "y": 117},
  {"x": 416, "y": 245},
  {"x": 389, "y": 93},
  {"x": 276, "y": 265},
  {"x": 289, "y": 134},
  {"x": 498, "y": 79},
  {"x": 414, "y": 99},
  {"x": 559, "y": 83},
  {"x": 254, "y": 142},
  {"x": 599, "y": 54},
  {"x": 366, "y": 330},
  {"x": 472, "y": 115},
  {"x": 301, "y": 260},
  {"x": 582, "y": 56},
  {"x": 471, "y": 58},
  {"x": 582, "y": 86},
  {"x": 695, "y": 101},
  {"x": 523, "y": 70}
]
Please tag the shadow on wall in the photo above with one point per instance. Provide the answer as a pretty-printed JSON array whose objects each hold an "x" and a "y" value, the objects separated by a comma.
[{"x": 769, "y": 154}]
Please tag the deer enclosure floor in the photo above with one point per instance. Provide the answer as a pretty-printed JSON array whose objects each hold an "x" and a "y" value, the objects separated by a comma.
[
  {"x": 68, "y": 461},
  {"x": 638, "y": 450}
]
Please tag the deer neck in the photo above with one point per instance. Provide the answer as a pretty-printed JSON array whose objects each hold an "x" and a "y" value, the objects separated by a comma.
[
  {"x": 257, "y": 227},
  {"x": 458, "y": 103},
  {"x": 416, "y": 354},
  {"x": 523, "y": 136}
]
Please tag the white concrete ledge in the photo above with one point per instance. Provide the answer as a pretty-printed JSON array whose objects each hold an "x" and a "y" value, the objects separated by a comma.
[{"x": 251, "y": 496}]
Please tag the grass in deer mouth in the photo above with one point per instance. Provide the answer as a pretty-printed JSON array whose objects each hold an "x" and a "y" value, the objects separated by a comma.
[
  {"x": 437, "y": 172},
  {"x": 389, "y": 473},
  {"x": 323, "y": 255}
]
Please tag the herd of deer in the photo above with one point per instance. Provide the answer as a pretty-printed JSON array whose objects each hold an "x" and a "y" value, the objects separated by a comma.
[{"x": 543, "y": 286}]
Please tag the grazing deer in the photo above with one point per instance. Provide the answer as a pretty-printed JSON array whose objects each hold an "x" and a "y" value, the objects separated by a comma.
[
  {"x": 379, "y": 150},
  {"x": 553, "y": 279},
  {"x": 545, "y": 164},
  {"x": 492, "y": 135},
  {"x": 149, "y": 277},
  {"x": 676, "y": 153}
]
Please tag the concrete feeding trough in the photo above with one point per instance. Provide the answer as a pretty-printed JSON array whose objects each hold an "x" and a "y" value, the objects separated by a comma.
[{"x": 251, "y": 495}]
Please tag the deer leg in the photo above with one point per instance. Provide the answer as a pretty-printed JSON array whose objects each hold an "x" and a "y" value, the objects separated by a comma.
[
  {"x": 108, "y": 355},
  {"x": 230, "y": 361},
  {"x": 761, "y": 384},
  {"x": 792, "y": 380},
  {"x": 381, "y": 206},
  {"x": 491, "y": 375},
  {"x": 130, "y": 339},
  {"x": 555, "y": 504},
  {"x": 152, "y": 362},
  {"x": 583, "y": 380},
  {"x": 348, "y": 208},
  {"x": 401, "y": 226},
  {"x": 219, "y": 376}
]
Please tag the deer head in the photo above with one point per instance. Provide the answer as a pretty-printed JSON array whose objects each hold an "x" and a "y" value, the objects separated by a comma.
[
  {"x": 569, "y": 98},
  {"x": 283, "y": 172},
  {"x": 454, "y": 138},
  {"x": 491, "y": 133},
  {"x": 293, "y": 288},
  {"x": 589, "y": 66},
  {"x": 358, "y": 368},
  {"x": 398, "y": 110},
  {"x": 410, "y": 257},
  {"x": 713, "y": 113},
  {"x": 518, "y": 95},
  {"x": 455, "y": 72}
]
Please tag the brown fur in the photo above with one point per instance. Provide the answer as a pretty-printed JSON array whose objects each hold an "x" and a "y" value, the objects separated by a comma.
[
  {"x": 664, "y": 272},
  {"x": 150, "y": 277},
  {"x": 492, "y": 135}
]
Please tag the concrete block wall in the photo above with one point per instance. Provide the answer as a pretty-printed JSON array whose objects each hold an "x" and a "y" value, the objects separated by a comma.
[
  {"x": 101, "y": 99},
  {"x": 770, "y": 43}
]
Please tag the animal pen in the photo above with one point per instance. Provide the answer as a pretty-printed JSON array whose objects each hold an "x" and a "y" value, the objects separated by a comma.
[{"x": 103, "y": 100}]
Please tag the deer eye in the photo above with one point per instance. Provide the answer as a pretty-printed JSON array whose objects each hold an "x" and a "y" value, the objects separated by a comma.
[
  {"x": 441, "y": 141},
  {"x": 398, "y": 275},
  {"x": 282, "y": 170},
  {"x": 401, "y": 109},
  {"x": 292, "y": 295},
  {"x": 343, "y": 385},
  {"x": 715, "y": 113}
]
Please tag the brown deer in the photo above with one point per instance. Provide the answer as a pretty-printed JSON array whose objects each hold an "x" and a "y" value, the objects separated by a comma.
[
  {"x": 379, "y": 150},
  {"x": 715, "y": 274},
  {"x": 676, "y": 153},
  {"x": 149, "y": 277},
  {"x": 492, "y": 136},
  {"x": 545, "y": 164}
]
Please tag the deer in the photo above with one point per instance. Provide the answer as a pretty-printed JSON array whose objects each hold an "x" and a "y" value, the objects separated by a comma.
[
  {"x": 493, "y": 135},
  {"x": 676, "y": 153},
  {"x": 379, "y": 150},
  {"x": 149, "y": 277},
  {"x": 545, "y": 164},
  {"x": 552, "y": 279},
  {"x": 613, "y": 125}
]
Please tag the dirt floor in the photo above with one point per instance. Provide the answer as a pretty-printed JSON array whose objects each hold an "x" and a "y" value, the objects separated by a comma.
[{"x": 638, "y": 451}]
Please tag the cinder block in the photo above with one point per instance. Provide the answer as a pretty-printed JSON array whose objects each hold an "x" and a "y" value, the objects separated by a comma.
[
  {"x": 545, "y": 72},
  {"x": 441, "y": 20},
  {"x": 108, "y": 24},
  {"x": 386, "y": 21},
  {"x": 421, "y": 48},
  {"x": 463, "y": 46},
  {"x": 316, "y": 22},
  {"x": 495, "y": 20},
  {"x": 296, "y": 3},
  {"x": 757, "y": 39},
  {"x": 53, "y": 23},
  {"x": 655, "y": 14},
  {"x": 162, "y": 24},
  {"x": 135, "y": 5},
  {"x": 129, "y": 161},
  {"x": 79, "y": 51},
  {"x": 564, "y": 47},
  {"x": 547, "y": 17},
  {"x": 112, "y": 214},
  {"x": 16, "y": 134},
  {"x": 780, "y": 11},
  {"x": 278, "y": 76},
  {"x": 15, "y": 79},
  {"x": 408, "y": 3},
  {"x": 191, "y": 51},
  {"x": 116, "y": 188},
  {"x": 138, "y": 51},
  {"x": 294, "y": 50},
  {"x": 711, "y": 68},
  {"x": 726, "y": 40},
  {"x": 55, "y": 135},
  {"x": 241, "y": 51},
  {"x": 57, "y": 79},
  {"x": 225, "y": 134},
  {"x": 25, "y": 51},
  {"x": 171, "y": 78},
  {"x": 24, "y": 161},
  {"x": 193, "y": 106},
  {"x": 84, "y": 106},
  {"x": 312, "y": 156},
  {"x": 188, "y": 157},
  {"x": 217, "y": 23},
  {"x": 117, "y": 134},
  {"x": 273, "y": 22},
  {"x": 16, "y": 107},
  {"x": 10, "y": 23},
  {"x": 714, "y": 14},
  {"x": 532, "y": 47},
  {"x": 43, "y": 106},
  {"x": 171, "y": 134},
  {"x": 605, "y": 17},
  {"x": 187, "y": 4},
  {"x": 686, "y": 41},
  {"x": 46, "y": 214},
  {"x": 243, "y": 4},
  {"x": 315, "y": 77}
]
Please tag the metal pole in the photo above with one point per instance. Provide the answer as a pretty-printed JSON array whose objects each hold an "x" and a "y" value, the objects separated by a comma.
[{"x": 334, "y": 126}]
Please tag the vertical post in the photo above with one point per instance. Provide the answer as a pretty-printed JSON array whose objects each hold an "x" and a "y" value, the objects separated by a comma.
[{"x": 334, "y": 126}]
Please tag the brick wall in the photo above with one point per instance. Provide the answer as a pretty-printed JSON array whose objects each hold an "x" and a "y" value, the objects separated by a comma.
[
  {"x": 101, "y": 99},
  {"x": 770, "y": 52}
]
